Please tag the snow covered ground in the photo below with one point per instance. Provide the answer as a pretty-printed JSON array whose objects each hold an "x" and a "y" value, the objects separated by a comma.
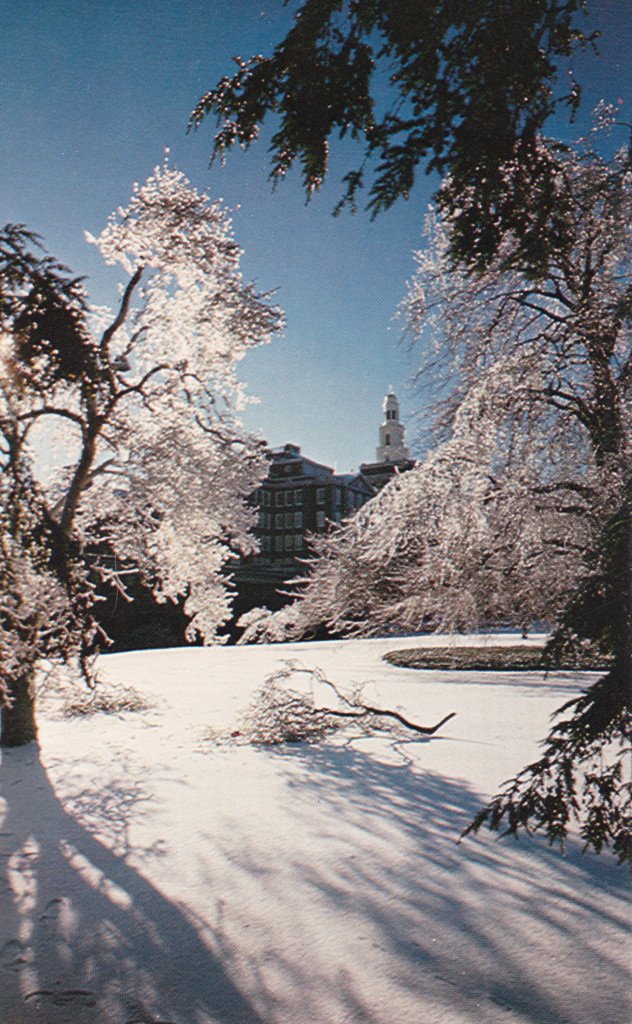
[{"x": 150, "y": 875}]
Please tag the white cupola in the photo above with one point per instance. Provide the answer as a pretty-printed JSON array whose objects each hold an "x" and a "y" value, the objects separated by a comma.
[{"x": 392, "y": 447}]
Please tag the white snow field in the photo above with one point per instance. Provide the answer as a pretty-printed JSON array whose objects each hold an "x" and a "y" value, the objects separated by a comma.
[{"x": 149, "y": 874}]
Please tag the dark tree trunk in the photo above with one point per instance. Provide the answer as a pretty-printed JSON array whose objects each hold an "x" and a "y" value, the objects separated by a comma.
[
  {"x": 18, "y": 717},
  {"x": 623, "y": 653},
  {"x": 613, "y": 618}
]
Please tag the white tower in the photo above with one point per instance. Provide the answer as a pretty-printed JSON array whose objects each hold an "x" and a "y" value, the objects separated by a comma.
[{"x": 392, "y": 447}]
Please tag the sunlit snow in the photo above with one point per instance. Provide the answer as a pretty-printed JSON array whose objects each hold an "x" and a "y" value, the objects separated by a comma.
[{"x": 151, "y": 874}]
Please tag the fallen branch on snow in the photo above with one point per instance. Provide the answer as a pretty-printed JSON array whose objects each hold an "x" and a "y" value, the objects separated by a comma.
[{"x": 280, "y": 715}]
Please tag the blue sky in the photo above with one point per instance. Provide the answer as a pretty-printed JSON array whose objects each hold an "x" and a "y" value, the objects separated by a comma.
[{"x": 92, "y": 94}]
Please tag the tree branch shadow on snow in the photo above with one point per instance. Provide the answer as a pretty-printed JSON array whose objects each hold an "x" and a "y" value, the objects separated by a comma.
[
  {"x": 477, "y": 930},
  {"x": 83, "y": 935}
]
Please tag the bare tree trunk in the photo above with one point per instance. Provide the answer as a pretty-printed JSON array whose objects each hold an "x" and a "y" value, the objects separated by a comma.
[{"x": 18, "y": 716}]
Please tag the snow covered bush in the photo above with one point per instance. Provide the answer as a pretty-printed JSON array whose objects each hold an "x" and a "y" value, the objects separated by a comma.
[
  {"x": 261, "y": 626},
  {"x": 155, "y": 466}
]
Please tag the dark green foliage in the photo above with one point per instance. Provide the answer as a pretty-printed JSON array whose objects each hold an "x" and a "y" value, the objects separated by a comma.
[
  {"x": 492, "y": 659},
  {"x": 138, "y": 621},
  {"x": 581, "y": 775},
  {"x": 45, "y": 310},
  {"x": 597, "y": 613},
  {"x": 584, "y": 772},
  {"x": 462, "y": 87}
]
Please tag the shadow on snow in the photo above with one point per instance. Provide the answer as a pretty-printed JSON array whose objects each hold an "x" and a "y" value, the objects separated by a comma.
[
  {"x": 494, "y": 931},
  {"x": 484, "y": 929},
  {"x": 84, "y": 936}
]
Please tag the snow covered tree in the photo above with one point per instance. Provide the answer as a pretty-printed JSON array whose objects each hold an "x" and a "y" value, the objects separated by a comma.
[
  {"x": 567, "y": 333},
  {"x": 463, "y": 88},
  {"x": 141, "y": 405},
  {"x": 487, "y": 528},
  {"x": 523, "y": 510}
]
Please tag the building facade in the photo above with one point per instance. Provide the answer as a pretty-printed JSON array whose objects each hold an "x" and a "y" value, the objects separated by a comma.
[{"x": 300, "y": 498}]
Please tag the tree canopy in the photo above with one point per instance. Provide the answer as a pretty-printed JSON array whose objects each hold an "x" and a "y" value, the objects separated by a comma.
[
  {"x": 462, "y": 87},
  {"x": 155, "y": 467}
]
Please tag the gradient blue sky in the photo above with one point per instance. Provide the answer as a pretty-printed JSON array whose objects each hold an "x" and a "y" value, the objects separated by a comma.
[{"x": 93, "y": 93}]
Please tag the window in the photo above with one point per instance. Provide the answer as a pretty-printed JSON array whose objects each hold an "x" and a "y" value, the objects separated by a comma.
[
  {"x": 298, "y": 520},
  {"x": 280, "y": 498},
  {"x": 320, "y": 520},
  {"x": 298, "y": 497},
  {"x": 320, "y": 495},
  {"x": 337, "y": 504},
  {"x": 387, "y": 439}
]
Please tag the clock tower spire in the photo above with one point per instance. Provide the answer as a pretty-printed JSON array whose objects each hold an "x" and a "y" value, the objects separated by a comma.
[{"x": 392, "y": 447}]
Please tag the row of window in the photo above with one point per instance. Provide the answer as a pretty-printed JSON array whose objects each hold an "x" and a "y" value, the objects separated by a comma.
[
  {"x": 287, "y": 520},
  {"x": 281, "y": 498},
  {"x": 281, "y": 521},
  {"x": 355, "y": 499},
  {"x": 282, "y": 543}
]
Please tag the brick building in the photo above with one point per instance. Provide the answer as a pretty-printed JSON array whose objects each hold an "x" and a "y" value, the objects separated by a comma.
[
  {"x": 301, "y": 497},
  {"x": 298, "y": 498}
]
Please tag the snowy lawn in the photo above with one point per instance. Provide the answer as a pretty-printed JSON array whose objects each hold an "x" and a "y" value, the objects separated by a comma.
[{"x": 151, "y": 875}]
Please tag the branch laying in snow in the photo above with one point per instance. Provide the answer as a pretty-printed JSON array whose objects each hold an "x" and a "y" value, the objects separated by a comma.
[
  {"x": 278, "y": 715},
  {"x": 365, "y": 709}
]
